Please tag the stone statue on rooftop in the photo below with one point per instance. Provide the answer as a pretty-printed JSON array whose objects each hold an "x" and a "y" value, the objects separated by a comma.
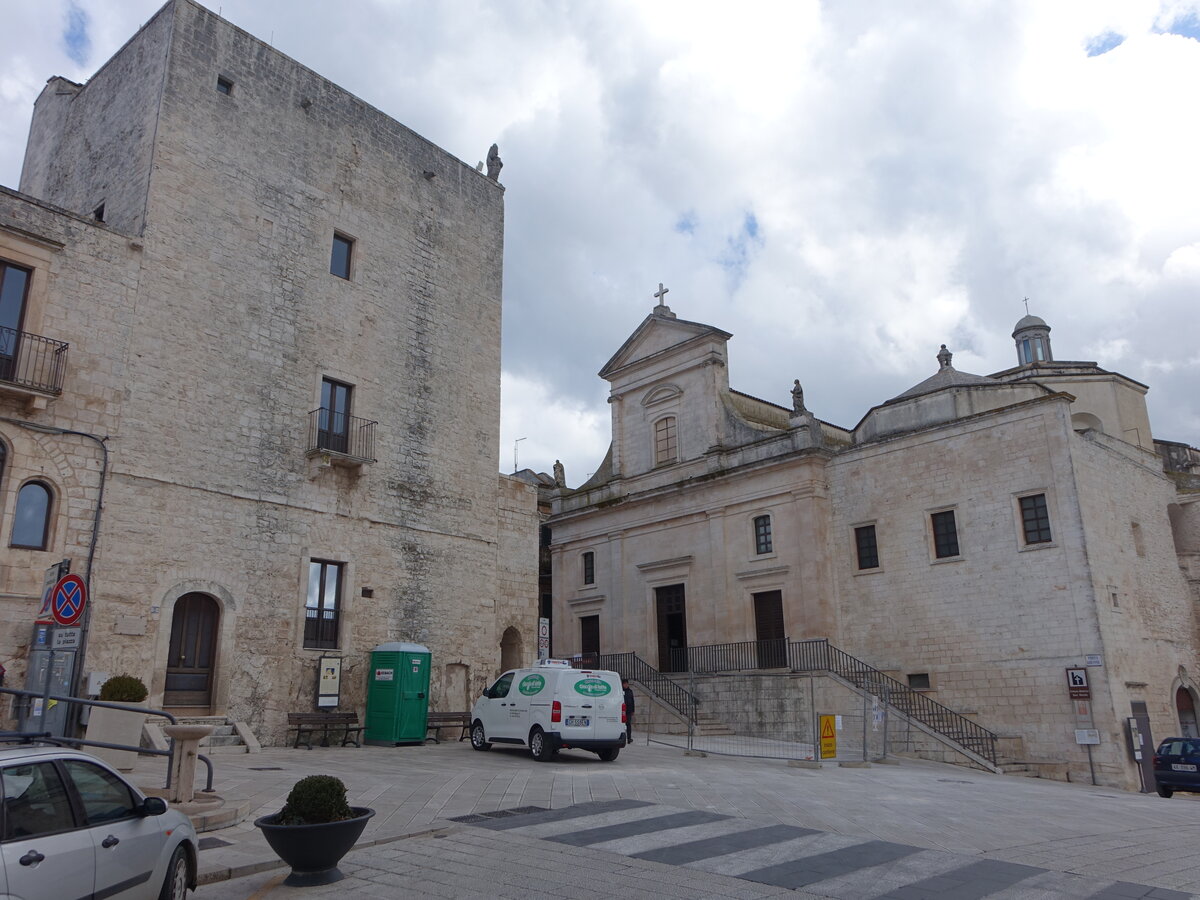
[
  {"x": 494, "y": 164},
  {"x": 797, "y": 398},
  {"x": 560, "y": 475}
]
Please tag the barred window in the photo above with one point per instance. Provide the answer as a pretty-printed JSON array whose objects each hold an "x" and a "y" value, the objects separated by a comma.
[
  {"x": 589, "y": 568},
  {"x": 1035, "y": 519}
]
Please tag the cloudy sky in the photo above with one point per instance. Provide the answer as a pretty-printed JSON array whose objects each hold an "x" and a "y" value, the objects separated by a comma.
[{"x": 842, "y": 185}]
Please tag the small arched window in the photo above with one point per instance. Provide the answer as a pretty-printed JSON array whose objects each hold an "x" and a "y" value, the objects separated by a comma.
[{"x": 31, "y": 524}]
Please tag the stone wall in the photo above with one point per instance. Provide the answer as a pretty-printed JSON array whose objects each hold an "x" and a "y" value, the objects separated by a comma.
[{"x": 198, "y": 348}]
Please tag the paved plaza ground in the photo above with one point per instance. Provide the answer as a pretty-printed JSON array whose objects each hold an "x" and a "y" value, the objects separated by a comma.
[{"x": 658, "y": 823}]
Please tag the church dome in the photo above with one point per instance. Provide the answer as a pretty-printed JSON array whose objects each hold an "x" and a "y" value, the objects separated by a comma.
[{"x": 1030, "y": 322}]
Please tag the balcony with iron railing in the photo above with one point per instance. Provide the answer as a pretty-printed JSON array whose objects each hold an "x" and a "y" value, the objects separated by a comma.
[
  {"x": 340, "y": 439},
  {"x": 31, "y": 365}
]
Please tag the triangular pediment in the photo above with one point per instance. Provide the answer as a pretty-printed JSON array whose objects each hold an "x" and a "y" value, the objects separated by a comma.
[{"x": 657, "y": 335}]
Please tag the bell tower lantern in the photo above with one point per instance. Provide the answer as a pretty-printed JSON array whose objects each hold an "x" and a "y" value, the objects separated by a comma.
[{"x": 1033, "y": 341}]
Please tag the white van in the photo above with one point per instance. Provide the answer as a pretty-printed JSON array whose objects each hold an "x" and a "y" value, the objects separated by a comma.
[{"x": 552, "y": 707}]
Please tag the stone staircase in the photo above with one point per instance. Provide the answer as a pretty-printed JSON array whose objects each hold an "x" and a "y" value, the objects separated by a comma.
[
  {"x": 227, "y": 737},
  {"x": 708, "y": 725}
]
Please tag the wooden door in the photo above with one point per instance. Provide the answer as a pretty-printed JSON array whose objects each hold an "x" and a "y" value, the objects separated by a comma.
[
  {"x": 768, "y": 627},
  {"x": 193, "y": 652}
]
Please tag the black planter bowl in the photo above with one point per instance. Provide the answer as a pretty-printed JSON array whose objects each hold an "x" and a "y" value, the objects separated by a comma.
[{"x": 313, "y": 851}]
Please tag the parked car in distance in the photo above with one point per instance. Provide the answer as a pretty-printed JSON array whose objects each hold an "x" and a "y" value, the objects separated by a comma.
[
  {"x": 73, "y": 827},
  {"x": 1177, "y": 766}
]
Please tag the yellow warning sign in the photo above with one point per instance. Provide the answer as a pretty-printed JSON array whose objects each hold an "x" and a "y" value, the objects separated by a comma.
[{"x": 828, "y": 738}]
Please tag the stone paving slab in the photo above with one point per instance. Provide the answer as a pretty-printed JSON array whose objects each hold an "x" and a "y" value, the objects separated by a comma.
[
  {"x": 1099, "y": 833},
  {"x": 826, "y": 865}
]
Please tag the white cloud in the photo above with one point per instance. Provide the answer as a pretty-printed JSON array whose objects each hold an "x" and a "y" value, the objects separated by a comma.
[{"x": 914, "y": 171}]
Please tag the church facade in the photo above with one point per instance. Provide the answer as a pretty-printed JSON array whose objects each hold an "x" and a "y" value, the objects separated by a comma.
[
  {"x": 975, "y": 537},
  {"x": 250, "y": 384}
]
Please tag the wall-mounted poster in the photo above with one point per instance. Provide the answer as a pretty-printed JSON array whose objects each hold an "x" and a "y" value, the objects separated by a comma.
[{"x": 329, "y": 681}]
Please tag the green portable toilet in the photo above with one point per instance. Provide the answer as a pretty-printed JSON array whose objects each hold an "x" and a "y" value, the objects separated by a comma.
[{"x": 397, "y": 694}]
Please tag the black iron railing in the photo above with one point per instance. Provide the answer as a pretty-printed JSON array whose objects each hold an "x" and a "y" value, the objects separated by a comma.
[
  {"x": 32, "y": 361},
  {"x": 335, "y": 432},
  {"x": 820, "y": 654},
  {"x": 733, "y": 657},
  {"x": 633, "y": 667},
  {"x": 320, "y": 628}
]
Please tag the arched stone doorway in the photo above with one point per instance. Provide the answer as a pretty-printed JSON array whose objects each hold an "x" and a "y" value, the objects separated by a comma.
[
  {"x": 192, "y": 656},
  {"x": 512, "y": 654},
  {"x": 1185, "y": 708}
]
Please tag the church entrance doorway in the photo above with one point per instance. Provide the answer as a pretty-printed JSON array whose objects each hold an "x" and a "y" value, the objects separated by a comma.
[
  {"x": 1185, "y": 706},
  {"x": 589, "y": 640},
  {"x": 672, "y": 628},
  {"x": 192, "y": 654},
  {"x": 768, "y": 630}
]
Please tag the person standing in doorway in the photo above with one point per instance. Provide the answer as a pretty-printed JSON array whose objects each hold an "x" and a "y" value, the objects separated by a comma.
[{"x": 628, "y": 711}]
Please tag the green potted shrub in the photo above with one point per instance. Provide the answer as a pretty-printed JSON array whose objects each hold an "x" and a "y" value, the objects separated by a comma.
[
  {"x": 314, "y": 830},
  {"x": 118, "y": 726}
]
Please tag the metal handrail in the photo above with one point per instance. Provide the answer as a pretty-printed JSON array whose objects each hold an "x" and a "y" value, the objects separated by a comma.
[
  {"x": 820, "y": 654},
  {"x": 107, "y": 705},
  {"x": 633, "y": 667}
]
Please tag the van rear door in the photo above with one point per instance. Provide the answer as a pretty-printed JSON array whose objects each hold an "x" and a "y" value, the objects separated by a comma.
[{"x": 585, "y": 698}]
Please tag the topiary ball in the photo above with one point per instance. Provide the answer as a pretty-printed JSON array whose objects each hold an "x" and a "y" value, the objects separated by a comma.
[
  {"x": 123, "y": 689},
  {"x": 315, "y": 800}
]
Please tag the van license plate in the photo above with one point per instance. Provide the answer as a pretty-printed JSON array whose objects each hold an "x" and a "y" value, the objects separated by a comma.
[
  {"x": 1182, "y": 767},
  {"x": 584, "y": 721}
]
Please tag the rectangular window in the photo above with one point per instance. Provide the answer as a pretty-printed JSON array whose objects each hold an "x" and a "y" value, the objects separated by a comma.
[
  {"x": 333, "y": 421},
  {"x": 945, "y": 534},
  {"x": 339, "y": 262},
  {"x": 919, "y": 681},
  {"x": 323, "y": 607},
  {"x": 1035, "y": 519},
  {"x": 14, "y": 288},
  {"x": 762, "y": 534},
  {"x": 666, "y": 447},
  {"x": 224, "y": 85},
  {"x": 589, "y": 568},
  {"x": 868, "y": 550}
]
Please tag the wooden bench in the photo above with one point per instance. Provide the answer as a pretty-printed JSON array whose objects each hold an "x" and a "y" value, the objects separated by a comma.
[
  {"x": 307, "y": 724},
  {"x": 436, "y": 721}
]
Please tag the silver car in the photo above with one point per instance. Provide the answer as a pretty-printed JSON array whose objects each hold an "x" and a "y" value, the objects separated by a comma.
[{"x": 72, "y": 827}]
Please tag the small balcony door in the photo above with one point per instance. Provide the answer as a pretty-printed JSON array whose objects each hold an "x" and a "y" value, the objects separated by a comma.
[
  {"x": 193, "y": 652},
  {"x": 14, "y": 288},
  {"x": 333, "y": 427}
]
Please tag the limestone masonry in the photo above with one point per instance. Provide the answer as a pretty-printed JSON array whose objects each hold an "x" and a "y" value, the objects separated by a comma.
[
  {"x": 974, "y": 537},
  {"x": 280, "y": 310}
]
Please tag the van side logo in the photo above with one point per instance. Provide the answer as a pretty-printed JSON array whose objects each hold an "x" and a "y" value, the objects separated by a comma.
[
  {"x": 531, "y": 684},
  {"x": 592, "y": 687}
]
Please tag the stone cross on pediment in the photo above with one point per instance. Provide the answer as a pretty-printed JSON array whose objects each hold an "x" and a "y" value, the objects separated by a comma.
[{"x": 660, "y": 293}]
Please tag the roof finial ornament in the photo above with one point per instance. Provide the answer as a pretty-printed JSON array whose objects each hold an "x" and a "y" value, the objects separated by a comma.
[
  {"x": 660, "y": 293},
  {"x": 1026, "y": 306},
  {"x": 662, "y": 310},
  {"x": 944, "y": 356}
]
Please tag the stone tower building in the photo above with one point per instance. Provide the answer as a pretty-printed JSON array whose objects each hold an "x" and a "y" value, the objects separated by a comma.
[
  {"x": 973, "y": 537},
  {"x": 271, "y": 320}
]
